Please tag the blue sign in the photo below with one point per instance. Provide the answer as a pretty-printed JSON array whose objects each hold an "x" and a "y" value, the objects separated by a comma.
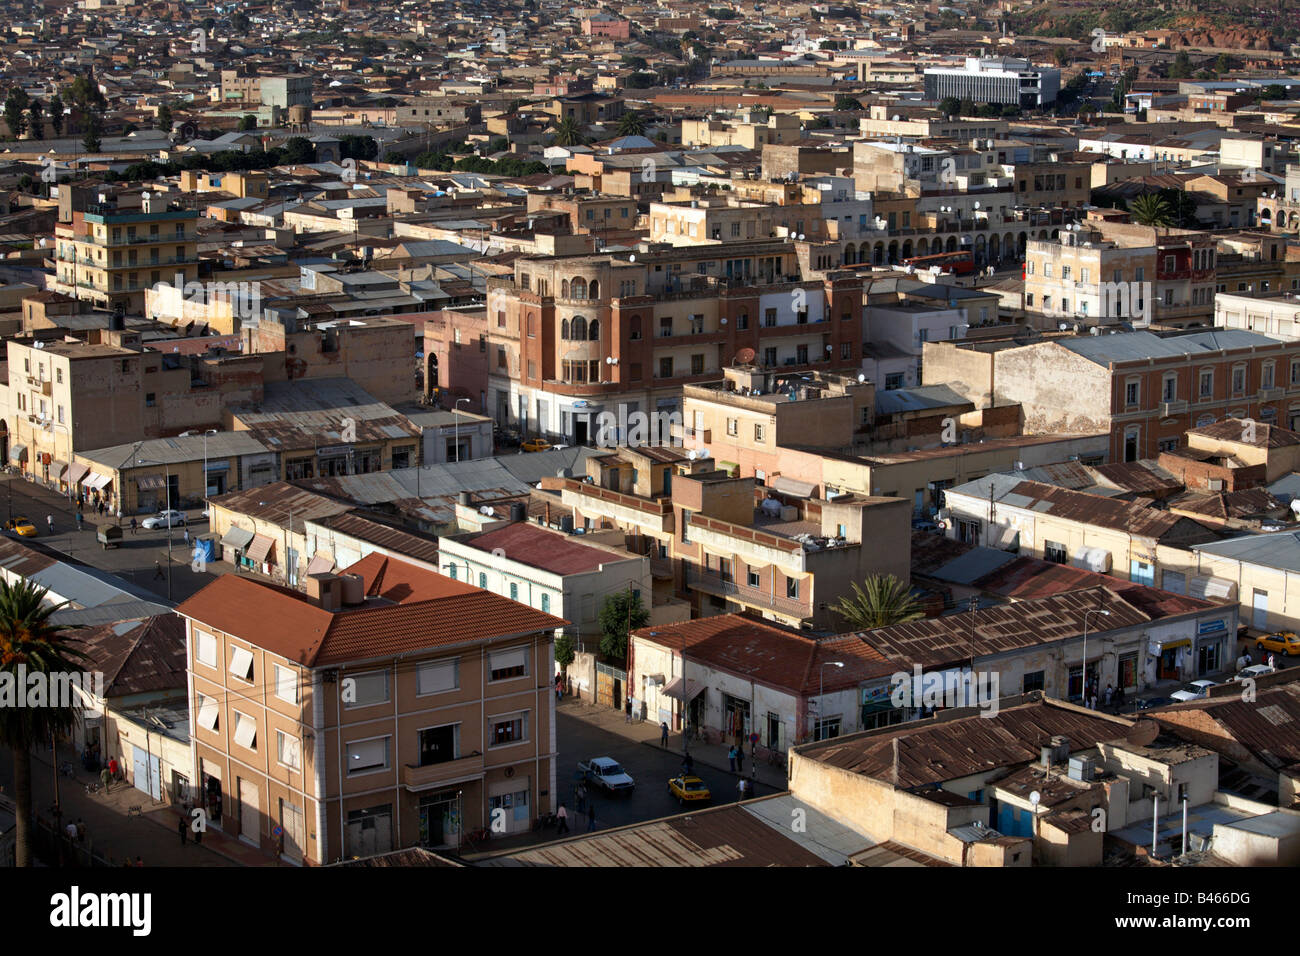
[
  {"x": 1209, "y": 627},
  {"x": 581, "y": 404}
]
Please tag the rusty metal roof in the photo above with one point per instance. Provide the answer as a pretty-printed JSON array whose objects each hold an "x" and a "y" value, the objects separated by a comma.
[
  {"x": 1091, "y": 509},
  {"x": 1269, "y": 726}
]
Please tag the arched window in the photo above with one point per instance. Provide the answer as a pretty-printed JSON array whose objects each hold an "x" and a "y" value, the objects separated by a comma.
[
  {"x": 579, "y": 328},
  {"x": 564, "y": 329},
  {"x": 593, "y": 330},
  {"x": 579, "y": 289},
  {"x": 593, "y": 291},
  {"x": 564, "y": 288}
]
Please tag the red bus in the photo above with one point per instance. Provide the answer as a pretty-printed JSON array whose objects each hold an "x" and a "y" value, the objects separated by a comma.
[{"x": 958, "y": 263}]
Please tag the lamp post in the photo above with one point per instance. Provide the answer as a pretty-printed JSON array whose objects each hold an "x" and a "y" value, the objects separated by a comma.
[
  {"x": 190, "y": 434},
  {"x": 1084, "y": 680},
  {"x": 821, "y": 694},
  {"x": 168, "y": 494},
  {"x": 51, "y": 425},
  {"x": 456, "y": 415}
]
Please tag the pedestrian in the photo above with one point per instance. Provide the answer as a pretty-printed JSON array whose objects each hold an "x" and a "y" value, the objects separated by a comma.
[
  {"x": 742, "y": 786},
  {"x": 688, "y": 764},
  {"x": 104, "y": 777},
  {"x": 740, "y": 759},
  {"x": 71, "y": 830},
  {"x": 112, "y": 768},
  {"x": 1272, "y": 660},
  {"x": 158, "y": 572},
  {"x": 49, "y": 520},
  {"x": 183, "y": 828},
  {"x": 663, "y": 734},
  {"x": 80, "y": 518},
  {"x": 1110, "y": 694},
  {"x": 627, "y": 707},
  {"x": 187, "y": 535},
  {"x": 731, "y": 757},
  {"x": 119, "y": 517},
  {"x": 81, "y": 830},
  {"x": 132, "y": 522},
  {"x": 562, "y": 815},
  {"x": 591, "y": 817}
]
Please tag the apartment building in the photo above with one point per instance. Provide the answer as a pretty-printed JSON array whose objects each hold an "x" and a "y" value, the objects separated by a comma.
[
  {"x": 389, "y": 707},
  {"x": 995, "y": 80},
  {"x": 572, "y": 337},
  {"x": 1275, "y": 314},
  {"x": 1144, "y": 389},
  {"x": 729, "y": 545},
  {"x": 109, "y": 249},
  {"x": 750, "y": 130}
]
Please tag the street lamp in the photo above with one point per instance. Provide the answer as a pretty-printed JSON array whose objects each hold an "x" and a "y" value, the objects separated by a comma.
[
  {"x": 51, "y": 425},
  {"x": 190, "y": 434},
  {"x": 168, "y": 493},
  {"x": 1084, "y": 681},
  {"x": 456, "y": 415},
  {"x": 821, "y": 692}
]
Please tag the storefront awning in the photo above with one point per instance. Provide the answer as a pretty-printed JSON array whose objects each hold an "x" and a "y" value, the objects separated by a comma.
[
  {"x": 17, "y": 452},
  {"x": 237, "y": 538},
  {"x": 151, "y": 483},
  {"x": 320, "y": 564},
  {"x": 674, "y": 689},
  {"x": 1160, "y": 645},
  {"x": 57, "y": 468},
  {"x": 76, "y": 472},
  {"x": 100, "y": 482},
  {"x": 260, "y": 549},
  {"x": 90, "y": 479}
]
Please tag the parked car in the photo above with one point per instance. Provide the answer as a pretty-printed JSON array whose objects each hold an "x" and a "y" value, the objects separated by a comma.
[
  {"x": 1254, "y": 671},
  {"x": 164, "y": 519},
  {"x": 607, "y": 774},
  {"x": 1284, "y": 643},
  {"x": 689, "y": 789},
  {"x": 536, "y": 444},
  {"x": 22, "y": 526},
  {"x": 1196, "y": 690}
]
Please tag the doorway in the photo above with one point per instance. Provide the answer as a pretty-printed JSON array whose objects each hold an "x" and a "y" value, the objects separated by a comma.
[
  {"x": 249, "y": 813},
  {"x": 292, "y": 824},
  {"x": 581, "y": 426},
  {"x": 440, "y": 818}
]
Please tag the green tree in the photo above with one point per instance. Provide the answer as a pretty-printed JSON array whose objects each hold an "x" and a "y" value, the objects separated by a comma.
[
  {"x": 247, "y": 122},
  {"x": 36, "y": 119},
  {"x": 29, "y": 640},
  {"x": 1061, "y": 56},
  {"x": 1151, "y": 210},
  {"x": 635, "y": 63},
  {"x": 90, "y": 140},
  {"x": 631, "y": 123},
  {"x": 1181, "y": 68},
  {"x": 299, "y": 150},
  {"x": 165, "y": 120},
  {"x": 1274, "y": 91},
  {"x": 16, "y": 112},
  {"x": 883, "y": 601},
  {"x": 847, "y": 103},
  {"x": 620, "y": 610},
  {"x": 950, "y": 106},
  {"x": 564, "y": 650},
  {"x": 568, "y": 132},
  {"x": 1182, "y": 208},
  {"x": 56, "y": 114}
]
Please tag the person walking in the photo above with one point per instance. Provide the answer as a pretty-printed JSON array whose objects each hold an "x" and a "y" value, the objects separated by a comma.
[
  {"x": 559, "y": 687},
  {"x": 1272, "y": 660},
  {"x": 731, "y": 757},
  {"x": 158, "y": 572},
  {"x": 112, "y": 770},
  {"x": 187, "y": 536},
  {"x": 562, "y": 815},
  {"x": 104, "y": 777},
  {"x": 80, "y": 519},
  {"x": 183, "y": 828},
  {"x": 581, "y": 793},
  {"x": 1110, "y": 695},
  {"x": 742, "y": 785},
  {"x": 71, "y": 830},
  {"x": 591, "y": 817},
  {"x": 133, "y": 524},
  {"x": 49, "y": 520},
  {"x": 740, "y": 759},
  {"x": 663, "y": 734}
]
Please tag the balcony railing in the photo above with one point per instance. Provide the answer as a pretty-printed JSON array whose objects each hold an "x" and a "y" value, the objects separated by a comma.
[
  {"x": 418, "y": 778},
  {"x": 724, "y": 585}
]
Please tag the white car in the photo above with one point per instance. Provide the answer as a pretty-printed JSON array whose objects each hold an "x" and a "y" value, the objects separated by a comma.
[
  {"x": 1254, "y": 671},
  {"x": 164, "y": 519},
  {"x": 606, "y": 773},
  {"x": 1196, "y": 690}
]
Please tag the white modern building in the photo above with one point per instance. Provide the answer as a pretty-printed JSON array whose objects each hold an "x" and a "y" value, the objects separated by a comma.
[{"x": 995, "y": 80}]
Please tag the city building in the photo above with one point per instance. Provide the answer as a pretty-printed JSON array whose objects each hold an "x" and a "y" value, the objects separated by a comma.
[{"x": 1002, "y": 80}]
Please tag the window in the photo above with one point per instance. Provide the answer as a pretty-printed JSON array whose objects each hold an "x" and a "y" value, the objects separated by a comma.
[
  {"x": 364, "y": 690},
  {"x": 367, "y": 756},
  {"x": 1033, "y": 681},
  {"x": 1169, "y": 390},
  {"x": 742, "y": 321},
  {"x": 505, "y": 665},
  {"x": 208, "y": 713},
  {"x": 546, "y": 604},
  {"x": 760, "y": 433},
  {"x": 1047, "y": 270},
  {"x": 286, "y": 684},
  {"x": 241, "y": 663},
  {"x": 1167, "y": 444},
  {"x": 1131, "y": 393},
  {"x": 1266, "y": 376},
  {"x": 1065, "y": 272},
  {"x": 245, "y": 731},
  {"x": 482, "y": 580},
  {"x": 1238, "y": 380},
  {"x": 439, "y": 744},
  {"x": 769, "y": 317},
  {"x": 846, "y": 350},
  {"x": 665, "y": 326},
  {"x": 792, "y": 588},
  {"x": 288, "y": 750},
  {"x": 451, "y": 571},
  {"x": 1207, "y": 384},
  {"x": 733, "y": 426},
  {"x": 514, "y": 591},
  {"x": 501, "y": 356},
  {"x": 509, "y": 730},
  {"x": 437, "y": 677},
  {"x": 1139, "y": 273},
  {"x": 1083, "y": 274},
  {"x": 686, "y": 526},
  {"x": 1169, "y": 263},
  {"x": 205, "y": 648},
  {"x": 1055, "y": 552},
  {"x": 665, "y": 368},
  {"x": 697, "y": 364}
]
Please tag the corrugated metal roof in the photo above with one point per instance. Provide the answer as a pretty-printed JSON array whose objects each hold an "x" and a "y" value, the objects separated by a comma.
[
  {"x": 1139, "y": 346},
  {"x": 1276, "y": 550}
]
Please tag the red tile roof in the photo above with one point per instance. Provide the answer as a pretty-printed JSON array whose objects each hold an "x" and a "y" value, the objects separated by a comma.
[
  {"x": 407, "y": 609},
  {"x": 770, "y": 654},
  {"x": 543, "y": 549}
]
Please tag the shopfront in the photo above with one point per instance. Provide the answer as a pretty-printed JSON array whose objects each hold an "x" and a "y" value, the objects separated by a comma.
[
  {"x": 1211, "y": 646},
  {"x": 1168, "y": 658}
]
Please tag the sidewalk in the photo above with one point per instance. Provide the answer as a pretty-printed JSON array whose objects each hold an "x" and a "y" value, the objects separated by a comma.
[
  {"x": 115, "y": 832},
  {"x": 713, "y": 756}
]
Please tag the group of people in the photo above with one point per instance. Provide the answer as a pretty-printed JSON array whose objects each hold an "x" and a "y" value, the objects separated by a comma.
[{"x": 562, "y": 814}]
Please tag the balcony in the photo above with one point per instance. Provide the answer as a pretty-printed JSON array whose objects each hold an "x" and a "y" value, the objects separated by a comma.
[
  {"x": 436, "y": 774},
  {"x": 1270, "y": 394},
  {"x": 1168, "y": 409},
  {"x": 724, "y": 585}
]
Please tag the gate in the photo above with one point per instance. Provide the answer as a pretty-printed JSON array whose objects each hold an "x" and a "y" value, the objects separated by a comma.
[{"x": 610, "y": 684}]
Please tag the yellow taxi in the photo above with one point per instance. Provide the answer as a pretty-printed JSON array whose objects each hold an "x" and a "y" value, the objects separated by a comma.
[
  {"x": 536, "y": 444},
  {"x": 21, "y": 526},
  {"x": 1284, "y": 643},
  {"x": 688, "y": 789}
]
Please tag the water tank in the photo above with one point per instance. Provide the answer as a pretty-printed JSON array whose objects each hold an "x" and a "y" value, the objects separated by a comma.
[
  {"x": 354, "y": 589},
  {"x": 1081, "y": 769},
  {"x": 517, "y": 511},
  {"x": 566, "y": 524}
]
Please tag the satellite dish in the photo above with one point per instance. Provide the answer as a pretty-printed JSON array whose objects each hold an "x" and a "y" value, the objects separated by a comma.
[
  {"x": 692, "y": 454},
  {"x": 744, "y": 357},
  {"x": 1035, "y": 797},
  {"x": 631, "y": 258},
  {"x": 861, "y": 377},
  {"x": 1144, "y": 732}
]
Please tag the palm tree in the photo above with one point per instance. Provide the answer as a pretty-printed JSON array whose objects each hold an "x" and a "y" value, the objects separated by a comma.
[
  {"x": 631, "y": 123},
  {"x": 884, "y": 601},
  {"x": 568, "y": 132},
  {"x": 28, "y": 638},
  {"x": 1150, "y": 210}
]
